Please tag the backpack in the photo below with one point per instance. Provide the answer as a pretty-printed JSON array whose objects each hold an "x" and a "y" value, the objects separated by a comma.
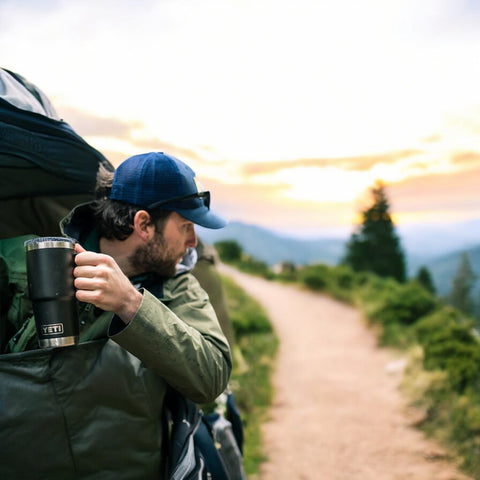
[
  {"x": 46, "y": 168},
  {"x": 204, "y": 446}
]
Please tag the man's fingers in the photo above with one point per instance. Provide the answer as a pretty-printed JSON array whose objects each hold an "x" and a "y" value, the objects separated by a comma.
[
  {"x": 84, "y": 271},
  {"x": 79, "y": 248},
  {"x": 92, "y": 282},
  {"x": 92, "y": 258}
]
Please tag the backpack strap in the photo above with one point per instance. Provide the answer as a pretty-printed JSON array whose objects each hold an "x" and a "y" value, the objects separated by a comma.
[
  {"x": 3, "y": 304},
  {"x": 233, "y": 416},
  {"x": 185, "y": 461},
  {"x": 204, "y": 441}
]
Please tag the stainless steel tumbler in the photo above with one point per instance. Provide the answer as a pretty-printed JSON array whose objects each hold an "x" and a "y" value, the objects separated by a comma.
[{"x": 50, "y": 263}]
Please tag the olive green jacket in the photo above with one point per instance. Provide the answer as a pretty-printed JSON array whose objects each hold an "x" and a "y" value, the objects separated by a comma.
[{"x": 96, "y": 411}]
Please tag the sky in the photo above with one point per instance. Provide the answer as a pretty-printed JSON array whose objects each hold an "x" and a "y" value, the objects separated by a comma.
[{"x": 287, "y": 111}]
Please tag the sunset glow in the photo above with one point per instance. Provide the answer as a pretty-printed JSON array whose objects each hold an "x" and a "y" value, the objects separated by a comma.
[{"x": 288, "y": 111}]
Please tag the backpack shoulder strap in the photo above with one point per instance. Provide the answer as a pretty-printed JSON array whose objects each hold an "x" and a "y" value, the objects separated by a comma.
[{"x": 184, "y": 460}]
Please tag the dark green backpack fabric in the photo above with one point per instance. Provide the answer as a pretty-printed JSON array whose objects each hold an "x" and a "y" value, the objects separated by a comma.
[
  {"x": 15, "y": 306},
  {"x": 75, "y": 437}
]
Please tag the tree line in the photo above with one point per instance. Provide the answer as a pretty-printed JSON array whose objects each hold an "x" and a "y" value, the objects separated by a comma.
[{"x": 375, "y": 247}]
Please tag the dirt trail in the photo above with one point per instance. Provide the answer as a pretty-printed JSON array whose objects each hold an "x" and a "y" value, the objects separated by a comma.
[{"x": 337, "y": 413}]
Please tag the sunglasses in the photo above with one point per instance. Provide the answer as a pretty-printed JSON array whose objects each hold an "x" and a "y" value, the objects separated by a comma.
[{"x": 205, "y": 196}]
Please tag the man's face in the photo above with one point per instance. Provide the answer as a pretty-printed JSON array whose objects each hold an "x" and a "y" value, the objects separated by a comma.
[{"x": 163, "y": 253}]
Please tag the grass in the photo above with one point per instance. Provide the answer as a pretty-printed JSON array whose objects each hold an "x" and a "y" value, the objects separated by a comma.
[{"x": 254, "y": 355}]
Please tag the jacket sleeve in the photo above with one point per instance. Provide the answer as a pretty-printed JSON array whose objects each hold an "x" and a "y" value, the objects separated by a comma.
[{"x": 180, "y": 339}]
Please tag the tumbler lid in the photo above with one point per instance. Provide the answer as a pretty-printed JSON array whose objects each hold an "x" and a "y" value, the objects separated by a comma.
[{"x": 49, "y": 242}]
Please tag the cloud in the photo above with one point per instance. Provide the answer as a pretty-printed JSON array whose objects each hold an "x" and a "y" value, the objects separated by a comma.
[
  {"x": 436, "y": 195},
  {"x": 89, "y": 124},
  {"x": 153, "y": 144},
  {"x": 143, "y": 145},
  {"x": 115, "y": 158},
  {"x": 466, "y": 159},
  {"x": 356, "y": 163},
  {"x": 264, "y": 205},
  {"x": 434, "y": 138},
  {"x": 438, "y": 198}
]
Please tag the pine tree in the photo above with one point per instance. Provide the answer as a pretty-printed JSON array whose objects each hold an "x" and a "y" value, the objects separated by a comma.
[
  {"x": 425, "y": 278},
  {"x": 462, "y": 284},
  {"x": 375, "y": 246}
]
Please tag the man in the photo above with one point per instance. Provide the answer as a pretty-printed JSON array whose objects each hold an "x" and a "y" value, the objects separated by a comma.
[{"x": 96, "y": 411}]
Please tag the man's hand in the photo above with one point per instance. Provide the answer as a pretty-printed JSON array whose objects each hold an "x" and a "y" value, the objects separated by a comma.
[{"x": 100, "y": 281}]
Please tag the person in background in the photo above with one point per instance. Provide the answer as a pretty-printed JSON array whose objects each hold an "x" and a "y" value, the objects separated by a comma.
[
  {"x": 97, "y": 410},
  {"x": 205, "y": 271}
]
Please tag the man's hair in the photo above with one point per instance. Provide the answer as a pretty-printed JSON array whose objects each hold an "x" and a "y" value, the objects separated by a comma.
[{"x": 114, "y": 218}]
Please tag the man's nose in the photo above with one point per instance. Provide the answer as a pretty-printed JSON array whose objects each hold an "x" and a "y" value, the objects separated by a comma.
[{"x": 192, "y": 239}]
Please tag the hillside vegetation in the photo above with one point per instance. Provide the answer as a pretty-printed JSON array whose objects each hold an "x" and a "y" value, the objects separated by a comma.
[
  {"x": 442, "y": 342},
  {"x": 272, "y": 249},
  {"x": 254, "y": 353},
  {"x": 442, "y": 268},
  {"x": 442, "y": 378}
]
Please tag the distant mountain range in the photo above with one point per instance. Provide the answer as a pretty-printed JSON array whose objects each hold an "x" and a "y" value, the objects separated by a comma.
[
  {"x": 443, "y": 270},
  {"x": 429, "y": 241},
  {"x": 273, "y": 248},
  {"x": 435, "y": 247}
]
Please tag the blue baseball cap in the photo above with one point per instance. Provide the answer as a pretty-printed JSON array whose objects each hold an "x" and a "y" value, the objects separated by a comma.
[{"x": 156, "y": 180}]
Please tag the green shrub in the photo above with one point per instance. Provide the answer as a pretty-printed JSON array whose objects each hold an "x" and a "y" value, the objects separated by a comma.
[
  {"x": 316, "y": 277},
  {"x": 449, "y": 344},
  {"x": 464, "y": 432},
  {"x": 429, "y": 327},
  {"x": 460, "y": 361},
  {"x": 366, "y": 278},
  {"x": 246, "y": 315},
  {"x": 405, "y": 305},
  {"x": 255, "y": 267},
  {"x": 344, "y": 277},
  {"x": 229, "y": 250},
  {"x": 452, "y": 419},
  {"x": 372, "y": 291}
]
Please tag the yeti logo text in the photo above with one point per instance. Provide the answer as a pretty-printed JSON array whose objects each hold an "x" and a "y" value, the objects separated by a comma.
[{"x": 53, "y": 329}]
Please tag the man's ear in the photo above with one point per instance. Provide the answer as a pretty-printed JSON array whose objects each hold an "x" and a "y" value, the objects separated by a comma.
[{"x": 143, "y": 225}]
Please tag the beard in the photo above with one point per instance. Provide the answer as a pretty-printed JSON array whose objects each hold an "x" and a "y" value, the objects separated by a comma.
[{"x": 154, "y": 257}]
